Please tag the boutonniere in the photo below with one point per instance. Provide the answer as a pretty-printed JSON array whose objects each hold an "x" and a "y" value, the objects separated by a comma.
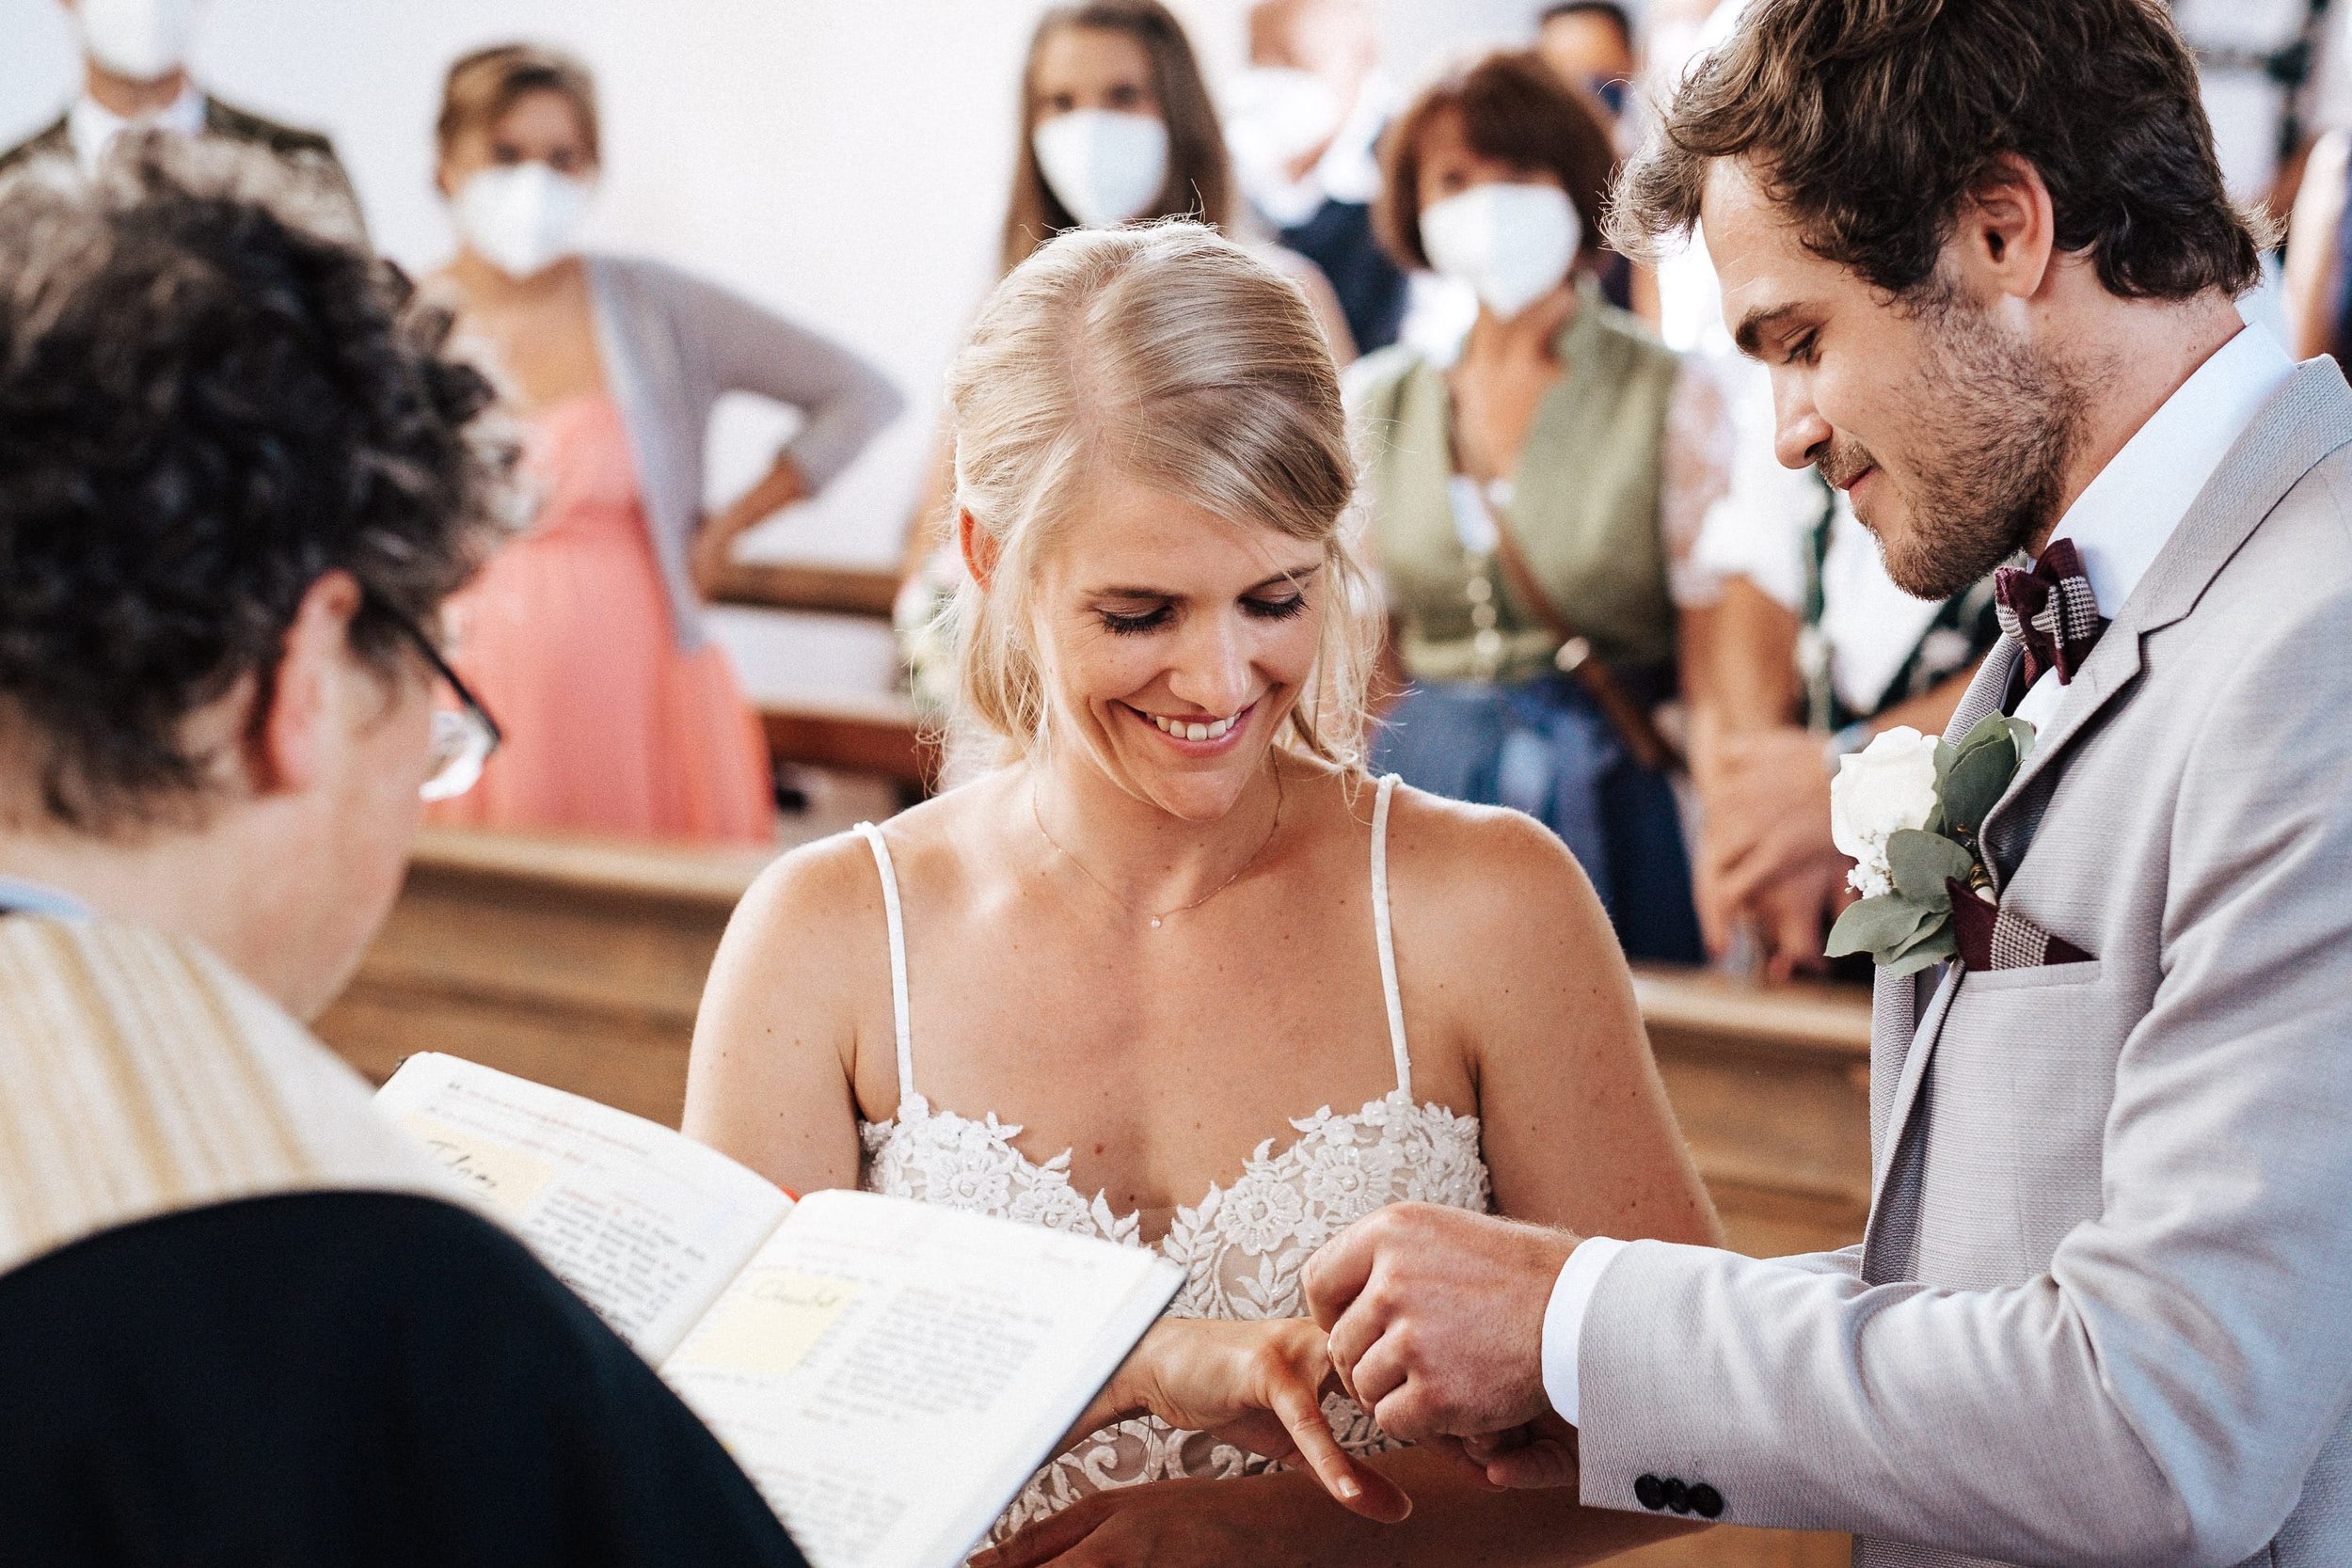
[{"x": 1907, "y": 810}]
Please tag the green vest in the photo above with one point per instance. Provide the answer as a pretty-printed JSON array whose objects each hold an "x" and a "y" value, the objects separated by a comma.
[{"x": 1585, "y": 511}]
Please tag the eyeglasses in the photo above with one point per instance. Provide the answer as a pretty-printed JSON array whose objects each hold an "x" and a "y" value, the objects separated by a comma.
[{"x": 463, "y": 737}]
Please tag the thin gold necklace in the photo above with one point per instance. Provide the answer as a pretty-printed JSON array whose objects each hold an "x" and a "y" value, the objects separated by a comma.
[{"x": 1038, "y": 818}]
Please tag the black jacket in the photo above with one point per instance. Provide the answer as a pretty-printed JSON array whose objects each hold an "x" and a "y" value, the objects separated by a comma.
[{"x": 342, "y": 1380}]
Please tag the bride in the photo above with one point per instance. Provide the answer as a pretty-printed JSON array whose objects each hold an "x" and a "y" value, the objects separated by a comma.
[{"x": 1176, "y": 973}]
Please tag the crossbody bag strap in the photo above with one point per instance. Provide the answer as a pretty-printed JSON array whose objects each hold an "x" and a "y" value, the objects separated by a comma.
[{"x": 1628, "y": 717}]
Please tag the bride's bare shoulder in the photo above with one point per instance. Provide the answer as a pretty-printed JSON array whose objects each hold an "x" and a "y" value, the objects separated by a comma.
[
  {"x": 1488, "y": 878},
  {"x": 816, "y": 887}
]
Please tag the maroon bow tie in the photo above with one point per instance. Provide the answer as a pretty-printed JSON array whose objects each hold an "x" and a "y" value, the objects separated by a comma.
[{"x": 2050, "y": 611}]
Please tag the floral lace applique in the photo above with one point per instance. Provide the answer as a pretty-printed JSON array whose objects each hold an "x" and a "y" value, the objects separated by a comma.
[{"x": 1244, "y": 1248}]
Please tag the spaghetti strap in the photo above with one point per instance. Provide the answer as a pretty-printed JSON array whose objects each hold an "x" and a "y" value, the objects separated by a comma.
[
  {"x": 897, "y": 959},
  {"x": 1389, "y": 990}
]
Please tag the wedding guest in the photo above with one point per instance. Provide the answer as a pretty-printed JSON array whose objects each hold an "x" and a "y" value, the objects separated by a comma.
[
  {"x": 587, "y": 632},
  {"x": 1305, "y": 119},
  {"x": 2318, "y": 303},
  {"x": 1117, "y": 127},
  {"x": 1589, "y": 44},
  {"x": 1816, "y": 652},
  {"x": 135, "y": 76},
  {"x": 239, "y": 476},
  {"x": 1536, "y": 500},
  {"x": 2097, "y": 1316},
  {"x": 1179, "y": 973}
]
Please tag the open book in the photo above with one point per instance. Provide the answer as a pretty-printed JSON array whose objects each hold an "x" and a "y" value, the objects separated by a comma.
[{"x": 888, "y": 1373}]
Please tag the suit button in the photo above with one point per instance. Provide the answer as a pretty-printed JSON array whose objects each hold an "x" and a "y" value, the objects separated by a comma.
[
  {"x": 1677, "y": 1495},
  {"x": 1705, "y": 1501},
  {"x": 1650, "y": 1493}
]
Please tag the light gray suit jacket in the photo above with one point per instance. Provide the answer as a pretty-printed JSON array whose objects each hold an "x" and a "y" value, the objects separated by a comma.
[{"x": 2103, "y": 1312}]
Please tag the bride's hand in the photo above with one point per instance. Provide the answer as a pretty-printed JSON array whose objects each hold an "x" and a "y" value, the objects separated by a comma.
[{"x": 1257, "y": 1386}]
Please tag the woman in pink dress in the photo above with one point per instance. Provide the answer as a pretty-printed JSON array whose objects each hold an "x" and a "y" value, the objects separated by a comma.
[{"x": 584, "y": 635}]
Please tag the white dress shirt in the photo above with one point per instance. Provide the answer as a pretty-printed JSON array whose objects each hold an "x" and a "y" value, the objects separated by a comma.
[
  {"x": 2120, "y": 523},
  {"x": 2124, "y": 517},
  {"x": 93, "y": 127}
]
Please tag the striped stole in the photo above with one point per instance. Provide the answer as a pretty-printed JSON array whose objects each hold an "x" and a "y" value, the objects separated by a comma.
[{"x": 139, "y": 1074}]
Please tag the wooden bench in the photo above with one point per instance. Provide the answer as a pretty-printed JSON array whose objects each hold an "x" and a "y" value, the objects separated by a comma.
[
  {"x": 869, "y": 590},
  {"x": 579, "y": 965},
  {"x": 880, "y": 734}
]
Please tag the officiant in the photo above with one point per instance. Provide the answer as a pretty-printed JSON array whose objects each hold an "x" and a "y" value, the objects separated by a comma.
[
  {"x": 238, "y": 476},
  {"x": 2098, "y": 1313}
]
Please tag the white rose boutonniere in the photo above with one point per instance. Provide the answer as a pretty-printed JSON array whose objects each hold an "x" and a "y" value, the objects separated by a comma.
[
  {"x": 1886, "y": 788},
  {"x": 1907, "y": 809}
]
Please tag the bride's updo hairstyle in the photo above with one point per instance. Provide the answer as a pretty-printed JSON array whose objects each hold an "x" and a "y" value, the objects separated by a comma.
[{"x": 1170, "y": 358}]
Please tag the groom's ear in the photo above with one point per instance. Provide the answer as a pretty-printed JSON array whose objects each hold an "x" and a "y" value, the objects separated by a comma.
[{"x": 2005, "y": 239}]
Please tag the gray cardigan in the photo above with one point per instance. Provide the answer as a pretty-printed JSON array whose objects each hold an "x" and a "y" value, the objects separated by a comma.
[{"x": 672, "y": 344}]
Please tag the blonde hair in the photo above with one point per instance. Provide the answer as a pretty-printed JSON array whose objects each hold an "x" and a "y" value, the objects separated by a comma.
[
  {"x": 1171, "y": 358},
  {"x": 483, "y": 86}
]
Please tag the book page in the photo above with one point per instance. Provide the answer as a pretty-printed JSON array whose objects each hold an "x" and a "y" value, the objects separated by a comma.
[
  {"x": 890, "y": 1373},
  {"x": 643, "y": 1223}
]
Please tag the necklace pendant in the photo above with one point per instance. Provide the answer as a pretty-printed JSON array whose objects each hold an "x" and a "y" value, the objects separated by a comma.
[{"x": 1155, "y": 922}]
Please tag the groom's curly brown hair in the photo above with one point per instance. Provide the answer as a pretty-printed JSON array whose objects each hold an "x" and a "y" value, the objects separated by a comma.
[{"x": 1871, "y": 120}]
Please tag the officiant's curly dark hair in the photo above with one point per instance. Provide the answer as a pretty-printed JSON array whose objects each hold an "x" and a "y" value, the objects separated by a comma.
[
  {"x": 206, "y": 402},
  {"x": 1870, "y": 119}
]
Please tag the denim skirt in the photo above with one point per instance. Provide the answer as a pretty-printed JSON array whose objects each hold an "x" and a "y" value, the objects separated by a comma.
[{"x": 1544, "y": 747}]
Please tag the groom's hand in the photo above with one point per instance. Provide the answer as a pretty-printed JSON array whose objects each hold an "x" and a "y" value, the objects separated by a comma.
[{"x": 1437, "y": 1318}]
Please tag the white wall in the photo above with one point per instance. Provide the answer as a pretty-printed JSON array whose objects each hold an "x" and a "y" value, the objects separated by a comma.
[{"x": 843, "y": 160}]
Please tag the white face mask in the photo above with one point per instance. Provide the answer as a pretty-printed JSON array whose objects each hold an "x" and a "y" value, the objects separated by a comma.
[
  {"x": 142, "y": 39},
  {"x": 1277, "y": 114},
  {"x": 1511, "y": 243},
  {"x": 520, "y": 217},
  {"x": 1107, "y": 169}
]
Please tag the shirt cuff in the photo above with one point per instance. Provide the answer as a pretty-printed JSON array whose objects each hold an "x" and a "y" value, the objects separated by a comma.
[{"x": 1563, "y": 1319}]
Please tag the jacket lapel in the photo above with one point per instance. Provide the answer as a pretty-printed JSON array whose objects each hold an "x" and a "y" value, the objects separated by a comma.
[{"x": 2310, "y": 418}]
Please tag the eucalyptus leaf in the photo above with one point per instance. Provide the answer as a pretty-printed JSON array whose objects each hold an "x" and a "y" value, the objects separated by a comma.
[
  {"x": 1978, "y": 780},
  {"x": 1881, "y": 924},
  {"x": 1946, "y": 754},
  {"x": 1943, "y": 945},
  {"x": 1935, "y": 928},
  {"x": 1992, "y": 727},
  {"x": 1921, "y": 863},
  {"x": 2021, "y": 735}
]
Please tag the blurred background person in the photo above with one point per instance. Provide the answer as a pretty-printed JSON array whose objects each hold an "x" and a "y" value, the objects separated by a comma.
[
  {"x": 1305, "y": 118},
  {"x": 134, "y": 74},
  {"x": 1536, "y": 500},
  {"x": 1117, "y": 127},
  {"x": 1814, "y": 651},
  {"x": 1590, "y": 44},
  {"x": 2274, "y": 79},
  {"x": 2318, "y": 305},
  {"x": 2272, "y": 76},
  {"x": 586, "y": 633}
]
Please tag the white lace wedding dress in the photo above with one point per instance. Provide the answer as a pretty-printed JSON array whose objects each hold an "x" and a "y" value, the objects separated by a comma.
[{"x": 1243, "y": 1247}]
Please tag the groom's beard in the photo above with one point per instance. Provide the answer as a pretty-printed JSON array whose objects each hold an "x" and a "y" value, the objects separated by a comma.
[{"x": 2000, "y": 420}]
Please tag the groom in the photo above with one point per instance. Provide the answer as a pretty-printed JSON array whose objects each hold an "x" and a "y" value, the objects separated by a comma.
[{"x": 2103, "y": 1310}]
